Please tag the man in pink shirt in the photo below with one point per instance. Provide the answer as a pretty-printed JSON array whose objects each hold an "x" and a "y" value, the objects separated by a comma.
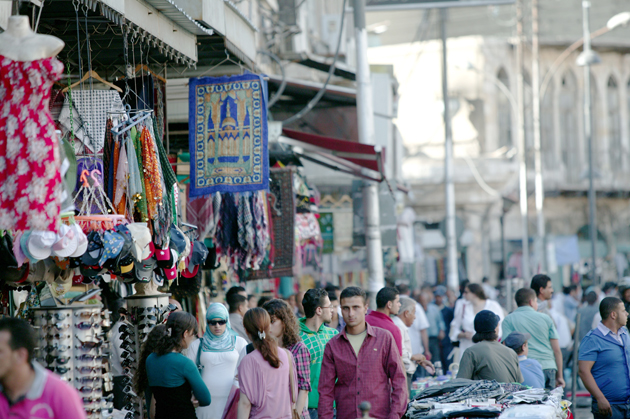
[
  {"x": 28, "y": 390},
  {"x": 387, "y": 305}
]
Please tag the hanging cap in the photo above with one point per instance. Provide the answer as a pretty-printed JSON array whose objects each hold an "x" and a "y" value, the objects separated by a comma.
[
  {"x": 66, "y": 242},
  {"x": 141, "y": 236},
  {"x": 40, "y": 244}
]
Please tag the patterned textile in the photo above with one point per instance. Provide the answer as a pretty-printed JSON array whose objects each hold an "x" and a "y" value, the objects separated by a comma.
[
  {"x": 302, "y": 363},
  {"x": 281, "y": 201},
  {"x": 228, "y": 134},
  {"x": 89, "y": 112},
  {"x": 482, "y": 390},
  {"x": 30, "y": 176},
  {"x": 199, "y": 212}
]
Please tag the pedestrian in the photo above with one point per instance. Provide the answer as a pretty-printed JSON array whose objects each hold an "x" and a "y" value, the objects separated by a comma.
[
  {"x": 543, "y": 344},
  {"x": 387, "y": 305},
  {"x": 336, "y": 321},
  {"x": 27, "y": 389},
  {"x": 587, "y": 314},
  {"x": 604, "y": 362},
  {"x": 315, "y": 335},
  {"x": 530, "y": 368},
  {"x": 298, "y": 302},
  {"x": 437, "y": 328},
  {"x": 238, "y": 307},
  {"x": 487, "y": 359},
  {"x": 236, "y": 289},
  {"x": 264, "y": 374},
  {"x": 173, "y": 378},
  {"x": 362, "y": 363},
  {"x": 140, "y": 379},
  {"x": 490, "y": 291},
  {"x": 542, "y": 286},
  {"x": 252, "y": 301},
  {"x": 404, "y": 320},
  {"x": 462, "y": 327},
  {"x": 418, "y": 331},
  {"x": 217, "y": 353},
  {"x": 285, "y": 330},
  {"x": 565, "y": 330},
  {"x": 571, "y": 302},
  {"x": 446, "y": 346}
]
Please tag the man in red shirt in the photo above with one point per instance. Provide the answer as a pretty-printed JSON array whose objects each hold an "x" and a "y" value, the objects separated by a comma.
[
  {"x": 387, "y": 304},
  {"x": 361, "y": 364}
]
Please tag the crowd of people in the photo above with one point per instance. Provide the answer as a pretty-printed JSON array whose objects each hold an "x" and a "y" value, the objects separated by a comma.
[{"x": 321, "y": 353}]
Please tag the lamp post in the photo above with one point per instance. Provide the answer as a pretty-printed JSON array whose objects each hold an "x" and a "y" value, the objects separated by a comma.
[{"x": 587, "y": 58}]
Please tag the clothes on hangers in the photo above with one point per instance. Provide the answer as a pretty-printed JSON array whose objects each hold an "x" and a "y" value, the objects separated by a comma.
[
  {"x": 142, "y": 89},
  {"x": 30, "y": 178},
  {"x": 90, "y": 110}
]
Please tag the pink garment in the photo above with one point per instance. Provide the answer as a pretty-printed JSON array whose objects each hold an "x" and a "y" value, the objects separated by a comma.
[
  {"x": 267, "y": 388},
  {"x": 30, "y": 178},
  {"x": 48, "y": 398},
  {"x": 378, "y": 319}
]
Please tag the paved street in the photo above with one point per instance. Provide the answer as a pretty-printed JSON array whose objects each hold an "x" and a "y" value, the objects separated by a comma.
[{"x": 583, "y": 413}]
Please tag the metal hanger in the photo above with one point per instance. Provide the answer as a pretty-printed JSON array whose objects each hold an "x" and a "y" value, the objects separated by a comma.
[
  {"x": 91, "y": 74},
  {"x": 227, "y": 59}
]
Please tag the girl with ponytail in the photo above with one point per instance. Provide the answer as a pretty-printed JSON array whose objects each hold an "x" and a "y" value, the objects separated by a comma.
[
  {"x": 172, "y": 376},
  {"x": 266, "y": 387}
]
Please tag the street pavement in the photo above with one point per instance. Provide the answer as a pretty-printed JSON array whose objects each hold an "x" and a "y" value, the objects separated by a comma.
[{"x": 582, "y": 413}]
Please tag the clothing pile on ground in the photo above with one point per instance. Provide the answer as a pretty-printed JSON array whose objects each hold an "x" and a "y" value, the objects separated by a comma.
[{"x": 484, "y": 398}]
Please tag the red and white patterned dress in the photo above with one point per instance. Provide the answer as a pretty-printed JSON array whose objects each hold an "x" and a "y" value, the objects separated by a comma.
[{"x": 30, "y": 178}]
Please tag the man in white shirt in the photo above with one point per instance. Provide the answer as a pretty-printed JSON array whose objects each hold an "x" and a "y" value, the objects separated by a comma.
[
  {"x": 405, "y": 318},
  {"x": 418, "y": 332}
]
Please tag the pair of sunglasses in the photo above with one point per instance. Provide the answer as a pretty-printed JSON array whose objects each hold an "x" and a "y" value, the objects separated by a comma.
[
  {"x": 88, "y": 380},
  {"x": 55, "y": 347},
  {"x": 57, "y": 336},
  {"x": 59, "y": 370},
  {"x": 141, "y": 310},
  {"x": 217, "y": 322},
  {"x": 60, "y": 360},
  {"x": 58, "y": 326},
  {"x": 58, "y": 316},
  {"x": 86, "y": 357},
  {"x": 87, "y": 370},
  {"x": 85, "y": 314},
  {"x": 87, "y": 326},
  {"x": 89, "y": 344},
  {"x": 126, "y": 355}
]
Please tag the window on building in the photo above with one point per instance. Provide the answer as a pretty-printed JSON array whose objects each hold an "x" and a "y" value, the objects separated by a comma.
[
  {"x": 547, "y": 129},
  {"x": 504, "y": 109},
  {"x": 614, "y": 126},
  {"x": 569, "y": 141}
]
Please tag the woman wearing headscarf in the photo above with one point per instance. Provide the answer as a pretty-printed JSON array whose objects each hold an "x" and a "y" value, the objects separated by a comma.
[{"x": 217, "y": 353}]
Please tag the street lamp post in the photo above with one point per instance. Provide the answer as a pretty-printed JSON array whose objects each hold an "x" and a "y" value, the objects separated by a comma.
[{"x": 587, "y": 58}]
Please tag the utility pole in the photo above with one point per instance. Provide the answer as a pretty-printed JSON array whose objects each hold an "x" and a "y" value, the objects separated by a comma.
[
  {"x": 365, "y": 112},
  {"x": 586, "y": 58},
  {"x": 521, "y": 141},
  {"x": 452, "y": 273},
  {"x": 538, "y": 179}
]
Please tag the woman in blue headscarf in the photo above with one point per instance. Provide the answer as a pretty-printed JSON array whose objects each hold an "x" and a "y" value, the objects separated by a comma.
[{"x": 216, "y": 353}]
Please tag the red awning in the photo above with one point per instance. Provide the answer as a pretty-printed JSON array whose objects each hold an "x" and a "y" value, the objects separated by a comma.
[{"x": 363, "y": 155}]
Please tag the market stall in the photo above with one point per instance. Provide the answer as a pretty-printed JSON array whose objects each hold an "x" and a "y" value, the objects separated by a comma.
[{"x": 441, "y": 398}]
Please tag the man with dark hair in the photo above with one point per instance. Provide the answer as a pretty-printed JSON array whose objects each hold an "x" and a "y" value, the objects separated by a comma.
[
  {"x": 542, "y": 286},
  {"x": 587, "y": 315},
  {"x": 238, "y": 306},
  {"x": 387, "y": 305},
  {"x": 361, "y": 364},
  {"x": 315, "y": 335},
  {"x": 28, "y": 390},
  {"x": 604, "y": 361},
  {"x": 530, "y": 368},
  {"x": 236, "y": 289},
  {"x": 543, "y": 345},
  {"x": 488, "y": 359},
  {"x": 571, "y": 301},
  {"x": 336, "y": 322}
]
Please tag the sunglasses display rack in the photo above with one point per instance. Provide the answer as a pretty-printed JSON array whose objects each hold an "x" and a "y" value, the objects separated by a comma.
[
  {"x": 142, "y": 314},
  {"x": 72, "y": 345}
]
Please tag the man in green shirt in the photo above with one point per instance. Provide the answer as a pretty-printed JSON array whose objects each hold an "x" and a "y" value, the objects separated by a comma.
[
  {"x": 315, "y": 335},
  {"x": 488, "y": 359},
  {"x": 543, "y": 344}
]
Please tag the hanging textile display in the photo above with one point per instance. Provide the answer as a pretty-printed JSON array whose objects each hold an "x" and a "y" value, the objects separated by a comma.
[
  {"x": 30, "y": 165},
  {"x": 228, "y": 134},
  {"x": 281, "y": 204},
  {"x": 89, "y": 115}
]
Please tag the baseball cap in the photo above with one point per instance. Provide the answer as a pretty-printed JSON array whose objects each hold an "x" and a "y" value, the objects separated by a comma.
[
  {"x": 440, "y": 291},
  {"x": 144, "y": 270},
  {"x": 486, "y": 321},
  {"x": 516, "y": 339}
]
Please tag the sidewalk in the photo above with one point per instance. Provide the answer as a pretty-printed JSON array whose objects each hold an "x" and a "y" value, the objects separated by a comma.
[{"x": 583, "y": 413}]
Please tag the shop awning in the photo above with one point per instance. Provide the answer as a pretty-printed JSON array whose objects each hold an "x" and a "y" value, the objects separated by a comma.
[{"x": 362, "y": 160}]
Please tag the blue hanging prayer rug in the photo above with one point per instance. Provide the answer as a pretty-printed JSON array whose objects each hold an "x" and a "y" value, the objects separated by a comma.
[{"x": 228, "y": 134}]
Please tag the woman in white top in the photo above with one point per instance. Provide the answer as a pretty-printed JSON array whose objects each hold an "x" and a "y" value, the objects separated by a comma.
[
  {"x": 462, "y": 326},
  {"x": 217, "y": 352}
]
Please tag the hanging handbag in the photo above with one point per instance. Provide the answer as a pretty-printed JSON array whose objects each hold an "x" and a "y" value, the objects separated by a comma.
[{"x": 294, "y": 413}]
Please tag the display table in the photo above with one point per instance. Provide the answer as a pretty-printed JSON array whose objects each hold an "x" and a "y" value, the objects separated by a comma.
[{"x": 442, "y": 397}]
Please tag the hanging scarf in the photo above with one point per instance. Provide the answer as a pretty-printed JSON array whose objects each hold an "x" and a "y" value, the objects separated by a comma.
[{"x": 225, "y": 342}]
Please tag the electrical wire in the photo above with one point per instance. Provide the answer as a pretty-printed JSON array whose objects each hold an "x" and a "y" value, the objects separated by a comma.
[
  {"x": 321, "y": 92},
  {"x": 276, "y": 97}
]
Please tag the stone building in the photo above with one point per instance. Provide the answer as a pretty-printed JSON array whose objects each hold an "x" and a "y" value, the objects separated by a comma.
[{"x": 481, "y": 55}]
